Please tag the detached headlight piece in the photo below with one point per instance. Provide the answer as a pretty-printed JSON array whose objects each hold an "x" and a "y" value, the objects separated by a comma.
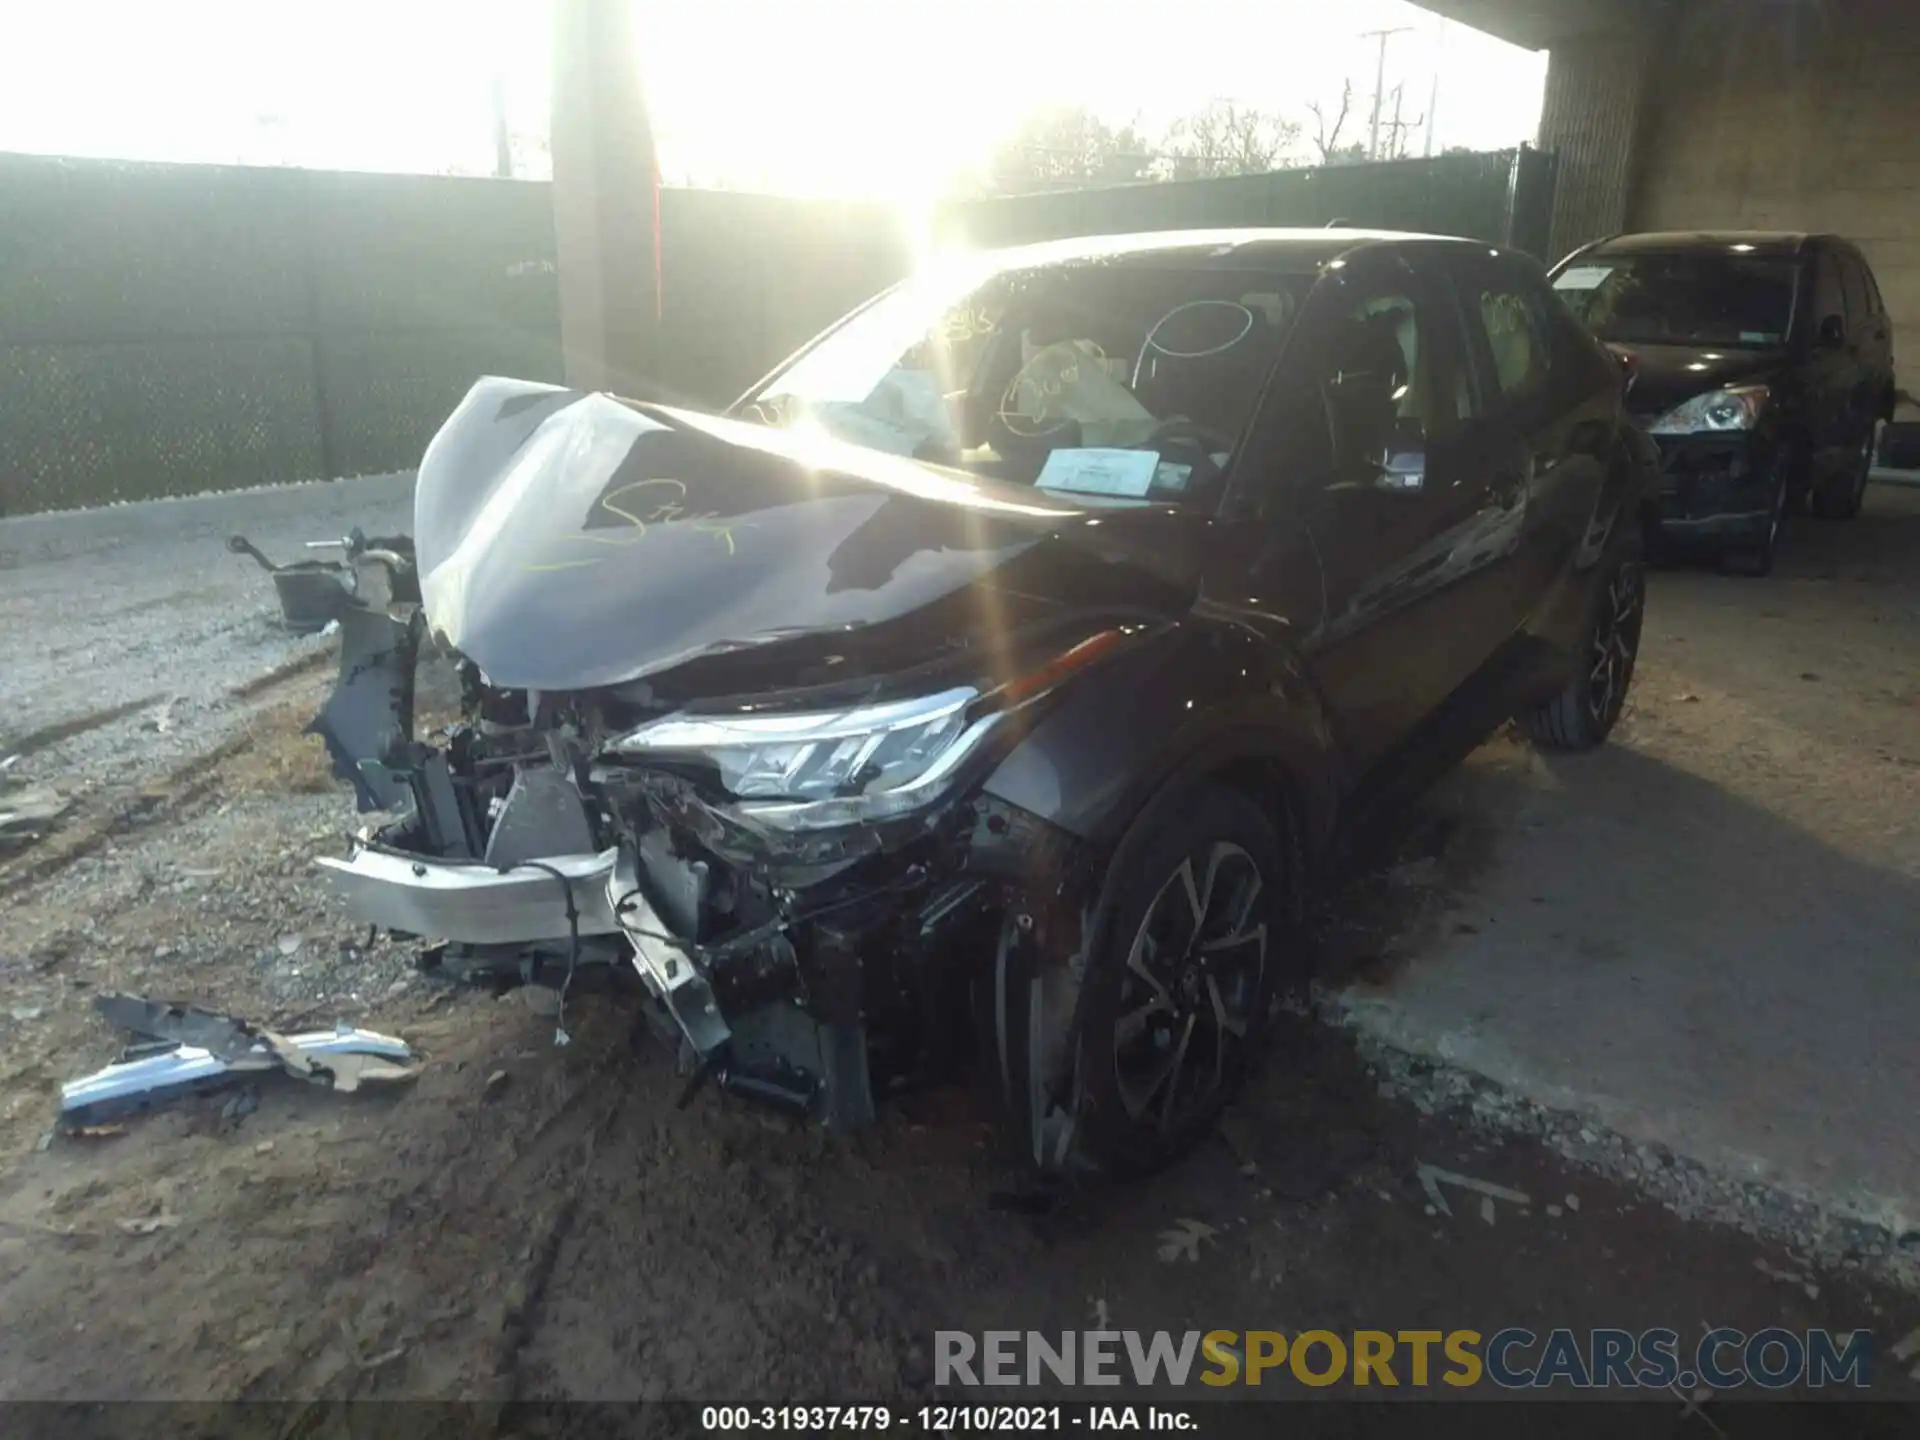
[
  {"x": 816, "y": 770},
  {"x": 1737, "y": 408}
]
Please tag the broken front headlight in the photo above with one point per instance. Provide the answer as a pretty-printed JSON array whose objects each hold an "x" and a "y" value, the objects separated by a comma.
[{"x": 815, "y": 770}]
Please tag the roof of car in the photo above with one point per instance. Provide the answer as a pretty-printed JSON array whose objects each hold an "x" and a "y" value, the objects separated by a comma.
[
  {"x": 1229, "y": 249},
  {"x": 1775, "y": 244}
]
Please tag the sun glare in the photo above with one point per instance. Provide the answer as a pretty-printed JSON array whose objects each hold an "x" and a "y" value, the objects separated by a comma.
[{"x": 903, "y": 101}]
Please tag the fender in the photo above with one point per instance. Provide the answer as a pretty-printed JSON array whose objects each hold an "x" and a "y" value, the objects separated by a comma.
[
  {"x": 1622, "y": 513},
  {"x": 1632, "y": 488},
  {"x": 1202, "y": 696}
]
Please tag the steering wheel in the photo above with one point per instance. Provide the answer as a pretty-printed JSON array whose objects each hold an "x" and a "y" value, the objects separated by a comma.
[
  {"x": 1152, "y": 346},
  {"x": 1011, "y": 429}
]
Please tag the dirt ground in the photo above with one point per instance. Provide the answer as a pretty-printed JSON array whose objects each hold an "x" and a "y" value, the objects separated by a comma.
[{"x": 527, "y": 1220}]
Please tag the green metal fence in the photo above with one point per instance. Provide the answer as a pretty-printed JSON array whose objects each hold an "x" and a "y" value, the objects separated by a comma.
[
  {"x": 1504, "y": 197},
  {"x": 167, "y": 329},
  {"x": 747, "y": 279},
  {"x": 171, "y": 329}
]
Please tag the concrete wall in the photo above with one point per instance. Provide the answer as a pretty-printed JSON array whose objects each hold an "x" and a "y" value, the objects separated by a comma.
[
  {"x": 1794, "y": 116},
  {"x": 1591, "y": 121}
]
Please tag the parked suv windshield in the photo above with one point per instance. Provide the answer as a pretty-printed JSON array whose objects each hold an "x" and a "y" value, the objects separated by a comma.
[
  {"x": 1121, "y": 380},
  {"x": 1690, "y": 299}
]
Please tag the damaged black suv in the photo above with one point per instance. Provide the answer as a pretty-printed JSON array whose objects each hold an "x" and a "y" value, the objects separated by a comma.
[{"x": 993, "y": 683}]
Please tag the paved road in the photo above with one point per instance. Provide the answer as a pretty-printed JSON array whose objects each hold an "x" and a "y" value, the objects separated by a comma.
[{"x": 1708, "y": 934}]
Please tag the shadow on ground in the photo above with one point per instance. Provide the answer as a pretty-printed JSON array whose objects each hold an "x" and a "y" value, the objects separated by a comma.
[{"x": 1704, "y": 933}]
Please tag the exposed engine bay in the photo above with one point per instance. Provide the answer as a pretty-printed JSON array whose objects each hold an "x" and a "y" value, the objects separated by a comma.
[
  {"x": 809, "y": 886},
  {"x": 797, "y": 965}
]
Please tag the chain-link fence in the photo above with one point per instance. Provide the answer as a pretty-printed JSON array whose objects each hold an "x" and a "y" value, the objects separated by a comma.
[{"x": 170, "y": 329}]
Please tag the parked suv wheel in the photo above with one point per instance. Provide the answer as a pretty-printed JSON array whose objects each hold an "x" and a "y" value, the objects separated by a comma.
[
  {"x": 1755, "y": 557},
  {"x": 1583, "y": 714},
  {"x": 1839, "y": 498}
]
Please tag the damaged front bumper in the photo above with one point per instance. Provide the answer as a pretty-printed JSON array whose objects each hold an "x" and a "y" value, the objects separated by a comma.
[
  {"x": 810, "y": 968},
  {"x": 807, "y": 983},
  {"x": 1717, "y": 488},
  {"x": 478, "y": 903}
]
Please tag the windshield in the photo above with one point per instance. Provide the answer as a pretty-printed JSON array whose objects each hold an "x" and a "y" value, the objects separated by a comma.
[
  {"x": 1109, "y": 381},
  {"x": 1693, "y": 299}
]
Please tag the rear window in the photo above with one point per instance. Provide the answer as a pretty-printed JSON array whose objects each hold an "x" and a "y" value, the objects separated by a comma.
[{"x": 1682, "y": 299}]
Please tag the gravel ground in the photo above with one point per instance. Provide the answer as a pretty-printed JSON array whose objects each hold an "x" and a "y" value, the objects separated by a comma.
[
  {"x": 129, "y": 629},
  {"x": 527, "y": 1221},
  {"x": 533, "y": 1221}
]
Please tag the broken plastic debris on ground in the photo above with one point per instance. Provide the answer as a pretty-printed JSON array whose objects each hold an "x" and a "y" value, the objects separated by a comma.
[
  {"x": 179, "y": 1050},
  {"x": 27, "y": 811}
]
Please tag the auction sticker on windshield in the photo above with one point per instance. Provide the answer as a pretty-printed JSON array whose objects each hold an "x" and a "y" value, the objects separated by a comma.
[
  {"x": 1100, "y": 472},
  {"x": 1582, "y": 277}
]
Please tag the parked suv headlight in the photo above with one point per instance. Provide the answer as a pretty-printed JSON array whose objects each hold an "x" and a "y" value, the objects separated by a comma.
[{"x": 1736, "y": 408}]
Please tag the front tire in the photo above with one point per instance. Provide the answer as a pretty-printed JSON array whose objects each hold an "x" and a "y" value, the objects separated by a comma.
[
  {"x": 1585, "y": 711},
  {"x": 1180, "y": 981},
  {"x": 1841, "y": 496},
  {"x": 1755, "y": 557}
]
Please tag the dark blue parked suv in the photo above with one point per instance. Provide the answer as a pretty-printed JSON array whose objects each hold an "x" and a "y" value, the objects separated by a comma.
[{"x": 1763, "y": 368}]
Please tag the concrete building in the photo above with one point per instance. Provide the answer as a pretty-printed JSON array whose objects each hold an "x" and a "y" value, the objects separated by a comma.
[{"x": 1733, "y": 114}]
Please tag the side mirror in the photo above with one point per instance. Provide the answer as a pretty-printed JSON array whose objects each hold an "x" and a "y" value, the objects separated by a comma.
[{"x": 1832, "y": 333}]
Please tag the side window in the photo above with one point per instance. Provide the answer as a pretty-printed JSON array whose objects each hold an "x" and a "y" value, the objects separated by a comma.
[
  {"x": 1379, "y": 387},
  {"x": 1873, "y": 289},
  {"x": 1829, "y": 296},
  {"x": 1511, "y": 332},
  {"x": 1853, "y": 280}
]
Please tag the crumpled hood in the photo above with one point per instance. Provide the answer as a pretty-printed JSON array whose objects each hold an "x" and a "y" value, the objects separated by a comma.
[
  {"x": 571, "y": 541},
  {"x": 1667, "y": 375}
]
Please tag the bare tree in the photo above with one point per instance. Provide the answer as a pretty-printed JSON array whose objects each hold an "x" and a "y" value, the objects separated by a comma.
[
  {"x": 1227, "y": 138},
  {"x": 1399, "y": 131},
  {"x": 1065, "y": 148},
  {"x": 1326, "y": 137}
]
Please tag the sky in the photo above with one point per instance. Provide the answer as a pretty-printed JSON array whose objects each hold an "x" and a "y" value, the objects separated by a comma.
[{"x": 858, "y": 98}]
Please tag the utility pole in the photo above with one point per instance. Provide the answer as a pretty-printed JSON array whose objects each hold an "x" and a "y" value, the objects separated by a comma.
[
  {"x": 1380, "y": 83},
  {"x": 502, "y": 135},
  {"x": 1433, "y": 96}
]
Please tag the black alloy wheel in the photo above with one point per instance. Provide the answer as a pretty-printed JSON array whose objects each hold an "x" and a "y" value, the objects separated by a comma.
[
  {"x": 1179, "y": 987},
  {"x": 1583, "y": 714},
  {"x": 1186, "y": 999},
  {"x": 1616, "y": 646}
]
